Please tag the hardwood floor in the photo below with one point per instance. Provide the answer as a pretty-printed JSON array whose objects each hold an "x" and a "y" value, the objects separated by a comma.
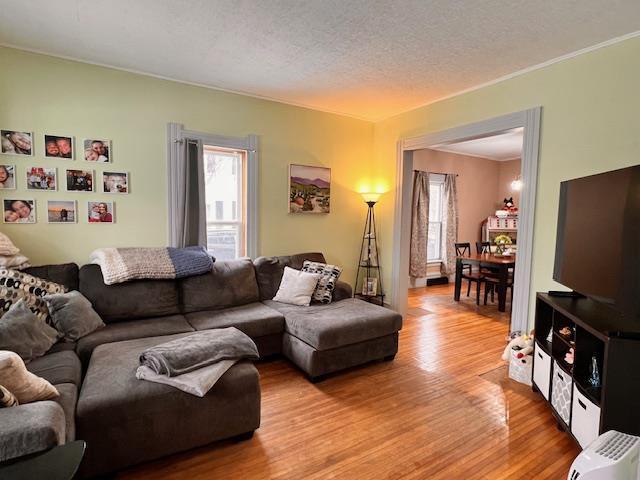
[{"x": 443, "y": 409}]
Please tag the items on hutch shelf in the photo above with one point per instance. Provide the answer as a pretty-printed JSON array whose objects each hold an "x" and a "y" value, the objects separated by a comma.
[
  {"x": 369, "y": 263},
  {"x": 495, "y": 226},
  {"x": 584, "y": 358}
]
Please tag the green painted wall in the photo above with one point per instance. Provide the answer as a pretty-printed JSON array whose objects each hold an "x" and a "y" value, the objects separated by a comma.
[
  {"x": 591, "y": 106},
  {"x": 49, "y": 95}
]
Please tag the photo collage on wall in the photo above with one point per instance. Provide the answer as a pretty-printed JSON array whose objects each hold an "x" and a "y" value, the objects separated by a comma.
[{"x": 30, "y": 175}]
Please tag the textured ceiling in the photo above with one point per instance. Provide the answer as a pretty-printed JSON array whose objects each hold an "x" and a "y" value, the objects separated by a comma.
[
  {"x": 501, "y": 147},
  {"x": 367, "y": 58}
]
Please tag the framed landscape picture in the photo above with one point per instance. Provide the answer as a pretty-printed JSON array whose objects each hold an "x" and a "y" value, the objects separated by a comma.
[{"x": 309, "y": 189}]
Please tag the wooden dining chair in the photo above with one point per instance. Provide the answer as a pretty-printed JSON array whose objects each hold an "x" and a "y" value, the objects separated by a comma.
[
  {"x": 483, "y": 247},
  {"x": 491, "y": 286},
  {"x": 463, "y": 249}
]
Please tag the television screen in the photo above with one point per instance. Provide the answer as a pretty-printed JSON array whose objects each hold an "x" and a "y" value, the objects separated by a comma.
[{"x": 598, "y": 238}]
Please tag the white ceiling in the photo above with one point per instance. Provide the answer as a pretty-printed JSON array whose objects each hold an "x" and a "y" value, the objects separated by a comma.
[
  {"x": 502, "y": 147},
  {"x": 366, "y": 58}
]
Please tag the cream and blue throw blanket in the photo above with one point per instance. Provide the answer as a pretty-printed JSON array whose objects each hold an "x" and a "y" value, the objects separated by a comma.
[{"x": 124, "y": 264}]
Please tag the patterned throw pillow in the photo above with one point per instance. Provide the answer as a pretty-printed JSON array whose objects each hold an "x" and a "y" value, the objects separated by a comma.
[
  {"x": 330, "y": 273},
  {"x": 7, "y": 399},
  {"x": 15, "y": 285}
]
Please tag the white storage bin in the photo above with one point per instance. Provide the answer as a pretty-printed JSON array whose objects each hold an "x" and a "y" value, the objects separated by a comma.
[
  {"x": 585, "y": 419},
  {"x": 520, "y": 368},
  {"x": 541, "y": 370},
  {"x": 561, "y": 389}
]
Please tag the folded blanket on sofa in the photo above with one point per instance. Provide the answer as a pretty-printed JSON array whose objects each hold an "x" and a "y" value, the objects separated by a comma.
[
  {"x": 197, "y": 383},
  {"x": 123, "y": 264},
  {"x": 198, "y": 350}
]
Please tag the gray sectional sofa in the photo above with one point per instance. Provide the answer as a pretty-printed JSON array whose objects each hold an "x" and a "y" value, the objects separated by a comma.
[{"x": 126, "y": 421}]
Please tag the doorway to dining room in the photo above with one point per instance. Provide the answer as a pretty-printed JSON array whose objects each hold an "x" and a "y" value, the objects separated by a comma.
[{"x": 459, "y": 209}]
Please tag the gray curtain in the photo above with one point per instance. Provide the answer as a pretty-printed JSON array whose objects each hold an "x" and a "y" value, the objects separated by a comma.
[
  {"x": 188, "y": 227},
  {"x": 450, "y": 226},
  {"x": 419, "y": 225}
]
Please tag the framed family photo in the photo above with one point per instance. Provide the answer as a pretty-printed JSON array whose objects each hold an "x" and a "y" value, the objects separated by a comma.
[
  {"x": 7, "y": 177},
  {"x": 115, "y": 182},
  {"x": 79, "y": 180},
  {"x": 97, "y": 150},
  {"x": 100, "y": 212},
  {"x": 18, "y": 211},
  {"x": 62, "y": 211},
  {"x": 309, "y": 189},
  {"x": 14, "y": 142},
  {"x": 57, "y": 146},
  {"x": 41, "y": 178}
]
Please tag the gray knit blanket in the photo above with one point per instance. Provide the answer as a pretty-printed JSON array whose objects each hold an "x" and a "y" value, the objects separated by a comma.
[
  {"x": 199, "y": 350},
  {"x": 124, "y": 264}
]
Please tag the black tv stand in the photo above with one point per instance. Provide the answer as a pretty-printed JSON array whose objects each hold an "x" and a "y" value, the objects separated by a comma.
[
  {"x": 564, "y": 293},
  {"x": 596, "y": 333}
]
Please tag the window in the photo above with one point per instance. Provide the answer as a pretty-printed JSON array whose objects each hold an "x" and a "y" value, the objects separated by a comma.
[
  {"x": 225, "y": 198},
  {"x": 436, "y": 203}
]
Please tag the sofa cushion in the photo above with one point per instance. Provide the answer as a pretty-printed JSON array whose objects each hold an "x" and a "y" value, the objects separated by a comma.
[
  {"x": 64, "y": 273},
  {"x": 340, "y": 323},
  {"x": 229, "y": 284},
  {"x": 67, "y": 400},
  {"x": 254, "y": 319},
  {"x": 57, "y": 368},
  {"x": 117, "y": 332},
  {"x": 129, "y": 300},
  {"x": 269, "y": 270},
  {"x": 31, "y": 428}
]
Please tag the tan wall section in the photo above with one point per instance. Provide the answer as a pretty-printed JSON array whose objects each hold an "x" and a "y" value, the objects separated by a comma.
[
  {"x": 507, "y": 172},
  {"x": 477, "y": 185},
  {"x": 43, "y": 94}
]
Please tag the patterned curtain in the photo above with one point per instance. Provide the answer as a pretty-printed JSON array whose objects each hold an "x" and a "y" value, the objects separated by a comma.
[
  {"x": 419, "y": 225},
  {"x": 450, "y": 226}
]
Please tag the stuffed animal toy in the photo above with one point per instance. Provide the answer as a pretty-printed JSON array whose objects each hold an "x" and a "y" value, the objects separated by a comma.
[
  {"x": 523, "y": 344},
  {"x": 509, "y": 206},
  {"x": 569, "y": 357}
]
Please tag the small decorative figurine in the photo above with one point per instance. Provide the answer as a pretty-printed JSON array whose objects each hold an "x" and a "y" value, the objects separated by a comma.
[{"x": 594, "y": 376}]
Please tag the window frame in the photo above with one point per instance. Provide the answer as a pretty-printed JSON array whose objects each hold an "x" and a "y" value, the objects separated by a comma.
[{"x": 176, "y": 136}]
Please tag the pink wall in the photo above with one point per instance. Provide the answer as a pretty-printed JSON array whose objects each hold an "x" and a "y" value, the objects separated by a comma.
[
  {"x": 507, "y": 172},
  {"x": 482, "y": 184}
]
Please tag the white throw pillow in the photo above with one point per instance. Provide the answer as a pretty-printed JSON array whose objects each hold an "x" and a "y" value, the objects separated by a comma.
[{"x": 296, "y": 287}]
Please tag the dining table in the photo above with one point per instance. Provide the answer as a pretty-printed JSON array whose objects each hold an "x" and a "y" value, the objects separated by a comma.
[{"x": 501, "y": 264}]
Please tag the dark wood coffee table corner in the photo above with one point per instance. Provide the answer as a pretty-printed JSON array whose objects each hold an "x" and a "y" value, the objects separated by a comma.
[{"x": 58, "y": 463}]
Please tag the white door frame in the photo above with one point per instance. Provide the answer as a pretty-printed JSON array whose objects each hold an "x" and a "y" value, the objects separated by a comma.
[
  {"x": 176, "y": 134},
  {"x": 530, "y": 121}
]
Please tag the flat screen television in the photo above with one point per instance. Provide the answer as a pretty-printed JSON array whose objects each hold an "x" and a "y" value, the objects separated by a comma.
[{"x": 598, "y": 238}]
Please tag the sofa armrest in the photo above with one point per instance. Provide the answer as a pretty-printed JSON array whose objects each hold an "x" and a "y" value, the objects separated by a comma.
[
  {"x": 341, "y": 291},
  {"x": 30, "y": 428}
]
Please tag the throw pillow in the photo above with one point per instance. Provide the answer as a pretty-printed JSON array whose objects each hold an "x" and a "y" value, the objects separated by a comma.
[
  {"x": 23, "y": 333},
  {"x": 296, "y": 287},
  {"x": 6, "y": 246},
  {"x": 24, "y": 385},
  {"x": 72, "y": 315},
  {"x": 7, "y": 399},
  {"x": 330, "y": 273},
  {"x": 15, "y": 285}
]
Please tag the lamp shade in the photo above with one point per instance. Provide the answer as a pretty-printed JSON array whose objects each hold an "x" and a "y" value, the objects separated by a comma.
[
  {"x": 371, "y": 196},
  {"x": 516, "y": 185}
]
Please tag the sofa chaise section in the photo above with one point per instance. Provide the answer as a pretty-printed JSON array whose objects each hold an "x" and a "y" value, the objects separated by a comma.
[{"x": 126, "y": 421}]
